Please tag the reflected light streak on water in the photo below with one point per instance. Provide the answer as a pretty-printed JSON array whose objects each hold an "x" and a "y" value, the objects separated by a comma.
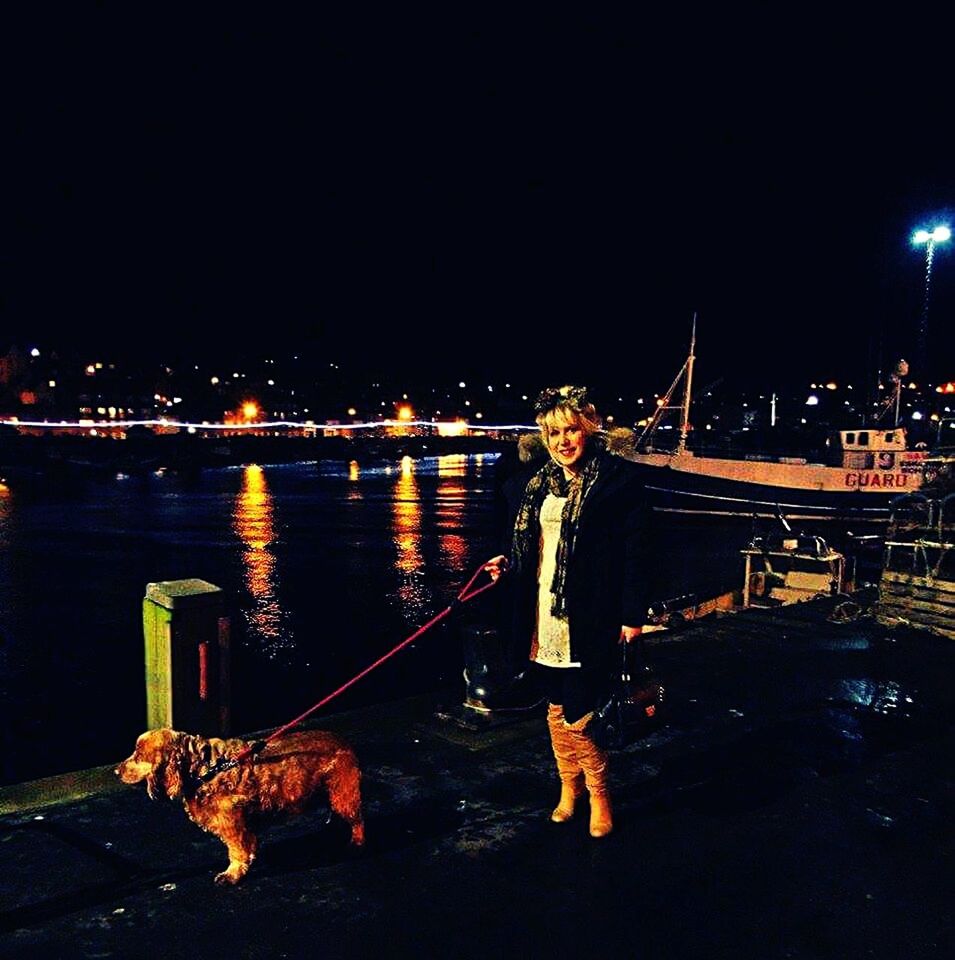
[
  {"x": 406, "y": 529},
  {"x": 6, "y": 525},
  {"x": 253, "y": 523},
  {"x": 354, "y": 488},
  {"x": 453, "y": 465},
  {"x": 6, "y": 503},
  {"x": 450, "y": 502},
  {"x": 454, "y": 551}
]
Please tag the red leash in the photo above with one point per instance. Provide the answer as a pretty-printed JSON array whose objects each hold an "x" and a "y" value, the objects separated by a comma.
[{"x": 259, "y": 745}]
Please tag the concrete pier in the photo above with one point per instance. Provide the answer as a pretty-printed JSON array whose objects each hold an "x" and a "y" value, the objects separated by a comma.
[{"x": 797, "y": 803}]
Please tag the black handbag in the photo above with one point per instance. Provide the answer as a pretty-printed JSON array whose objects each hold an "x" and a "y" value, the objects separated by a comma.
[{"x": 634, "y": 706}]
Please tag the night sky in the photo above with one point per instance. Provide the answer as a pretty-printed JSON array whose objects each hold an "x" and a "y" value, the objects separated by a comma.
[{"x": 549, "y": 200}]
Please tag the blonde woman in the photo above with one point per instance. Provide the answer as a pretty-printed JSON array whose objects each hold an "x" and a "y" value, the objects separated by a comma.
[{"x": 577, "y": 576}]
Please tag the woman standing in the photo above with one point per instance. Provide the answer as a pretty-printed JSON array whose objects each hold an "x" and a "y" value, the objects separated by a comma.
[{"x": 578, "y": 581}]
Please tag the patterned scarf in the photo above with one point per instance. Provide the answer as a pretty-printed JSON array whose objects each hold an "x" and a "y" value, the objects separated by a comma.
[{"x": 526, "y": 545}]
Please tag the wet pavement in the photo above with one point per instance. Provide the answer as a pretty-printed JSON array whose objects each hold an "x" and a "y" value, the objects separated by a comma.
[{"x": 796, "y": 802}]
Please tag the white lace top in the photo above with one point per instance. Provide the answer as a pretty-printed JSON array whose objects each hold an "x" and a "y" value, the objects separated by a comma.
[{"x": 553, "y": 633}]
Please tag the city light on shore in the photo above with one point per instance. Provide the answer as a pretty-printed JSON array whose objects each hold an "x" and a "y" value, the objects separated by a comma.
[{"x": 441, "y": 426}]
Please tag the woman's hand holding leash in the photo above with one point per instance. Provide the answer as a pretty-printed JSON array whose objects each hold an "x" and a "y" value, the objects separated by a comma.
[{"x": 496, "y": 566}]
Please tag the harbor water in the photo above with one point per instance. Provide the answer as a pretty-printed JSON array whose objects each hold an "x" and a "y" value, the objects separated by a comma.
[{"x": 325, "y": 566}]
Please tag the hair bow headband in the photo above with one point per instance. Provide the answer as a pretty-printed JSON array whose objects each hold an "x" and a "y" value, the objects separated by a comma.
[{"x": 573, "y": 397}]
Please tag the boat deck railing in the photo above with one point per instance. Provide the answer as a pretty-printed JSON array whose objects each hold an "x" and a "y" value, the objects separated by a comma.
[
  {"x": 718, "y": 451},
  {"x": 921, "y": 537}
]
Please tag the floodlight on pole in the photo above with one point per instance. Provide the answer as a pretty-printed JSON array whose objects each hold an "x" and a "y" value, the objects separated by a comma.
[{"x": 938, "y": 234}]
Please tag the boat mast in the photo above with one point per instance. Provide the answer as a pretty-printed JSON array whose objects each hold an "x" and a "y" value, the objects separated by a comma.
[
  {"x": 687, "y": 391},
  {"x": 894, "y": 400}
]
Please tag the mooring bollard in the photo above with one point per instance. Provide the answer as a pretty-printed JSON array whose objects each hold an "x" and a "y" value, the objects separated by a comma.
[
  {"x": 187, "y": 657},
  {"x": 486, "y": 669},
  {"x": 496, "y": 690}
]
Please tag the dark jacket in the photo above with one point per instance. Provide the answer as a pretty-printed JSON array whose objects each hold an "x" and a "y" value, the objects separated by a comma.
[{"x": 607, "y": 583}]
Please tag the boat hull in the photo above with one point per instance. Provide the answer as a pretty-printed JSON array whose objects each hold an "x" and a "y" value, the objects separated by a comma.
[{"x": 686, "y": 483}]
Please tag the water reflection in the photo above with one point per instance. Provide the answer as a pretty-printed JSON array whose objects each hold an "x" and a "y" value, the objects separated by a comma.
[
  {"x": 253, "y": 523},
  {"x": 6, "y": 512},
  {"x": 354, "y": 487},
  {"x": 451, "y": 495},
  {"x": 453, "y": 465},
  {"x": 881, "y": 696},
  {"x": 406, "y": 534}
]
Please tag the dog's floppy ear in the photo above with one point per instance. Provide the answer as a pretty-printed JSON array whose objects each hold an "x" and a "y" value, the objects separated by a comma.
[
  {"x": 175, "y": 768},
  {"x": 155, "y": 783},
  {"x": 158, "y": 746}
]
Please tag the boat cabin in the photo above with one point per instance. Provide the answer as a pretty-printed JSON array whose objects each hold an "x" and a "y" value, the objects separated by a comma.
[{"x": 867, "y": 448}]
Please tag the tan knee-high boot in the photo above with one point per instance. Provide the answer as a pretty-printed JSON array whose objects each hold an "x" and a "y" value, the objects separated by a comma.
[
  {"x": 593, "y": 762},
  {"x": 568, "y": 769}
]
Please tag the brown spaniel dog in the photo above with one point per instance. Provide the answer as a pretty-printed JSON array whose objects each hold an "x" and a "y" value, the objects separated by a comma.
[{"x": 284, "y": 778}]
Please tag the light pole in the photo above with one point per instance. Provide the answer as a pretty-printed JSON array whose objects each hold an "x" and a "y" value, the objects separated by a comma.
[{"x": 939, "y": 234}]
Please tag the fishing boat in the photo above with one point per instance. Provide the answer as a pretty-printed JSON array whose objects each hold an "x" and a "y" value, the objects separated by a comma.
[{"x": 865, "y": 470}]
